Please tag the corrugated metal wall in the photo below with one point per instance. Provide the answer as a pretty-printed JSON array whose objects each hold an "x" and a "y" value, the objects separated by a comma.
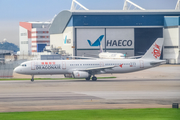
[{"x": 6, "y": 69}]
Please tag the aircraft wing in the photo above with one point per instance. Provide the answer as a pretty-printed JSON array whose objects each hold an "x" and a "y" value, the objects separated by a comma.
[
  {"x": 100, "y": 68},
  {"x": 97, "y": 70}
]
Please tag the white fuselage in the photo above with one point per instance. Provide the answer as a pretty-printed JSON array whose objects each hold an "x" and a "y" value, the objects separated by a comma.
[
  {"x": 106, "y": 55},
  {"x": 41, "y": 67}
]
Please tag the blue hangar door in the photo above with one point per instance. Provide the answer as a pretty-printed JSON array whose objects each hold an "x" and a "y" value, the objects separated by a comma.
[{"x": 144, "y": 38}]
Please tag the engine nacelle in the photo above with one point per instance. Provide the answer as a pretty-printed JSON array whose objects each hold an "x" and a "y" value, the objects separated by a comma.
[{"x": 80, "y": 74}]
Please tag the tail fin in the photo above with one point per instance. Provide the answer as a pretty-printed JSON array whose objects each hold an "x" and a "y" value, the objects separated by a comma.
[
  {"x": 101, "y": 48},
  {"x": 154, "y": 51}
]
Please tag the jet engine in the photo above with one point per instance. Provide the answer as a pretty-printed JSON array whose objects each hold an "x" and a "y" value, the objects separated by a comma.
[{"x": 80, "y": 74}]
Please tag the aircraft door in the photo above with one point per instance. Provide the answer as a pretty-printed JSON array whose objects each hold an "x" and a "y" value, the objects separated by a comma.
[
  {"x": 32, "y": 65},
  {"x": 63, "y": 65},
  {"x": 101, "y": 64},
  {"x": 141, "y": 64}
]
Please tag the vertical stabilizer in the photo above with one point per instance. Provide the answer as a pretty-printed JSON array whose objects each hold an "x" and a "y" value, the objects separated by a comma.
[
  {"x": 155, "y": 50},
  {"x": 101, "y": 48}
]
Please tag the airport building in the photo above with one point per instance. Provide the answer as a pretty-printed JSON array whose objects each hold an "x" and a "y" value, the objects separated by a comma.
[
  {"x": 132, "y": 32},
  {"x": 33, "y": 36}
]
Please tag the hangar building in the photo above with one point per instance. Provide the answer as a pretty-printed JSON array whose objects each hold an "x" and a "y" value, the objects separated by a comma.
[{"x": 132, "y": 32}]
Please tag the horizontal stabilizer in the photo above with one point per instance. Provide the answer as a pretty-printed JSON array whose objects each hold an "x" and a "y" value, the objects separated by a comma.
[{"x": 159, "y": 62}]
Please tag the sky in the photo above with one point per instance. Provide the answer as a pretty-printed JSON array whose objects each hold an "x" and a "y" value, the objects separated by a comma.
[{"x": 14, "y": 11}]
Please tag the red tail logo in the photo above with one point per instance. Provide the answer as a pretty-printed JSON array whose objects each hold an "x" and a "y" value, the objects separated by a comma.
[{"x": 156, "y": 51}]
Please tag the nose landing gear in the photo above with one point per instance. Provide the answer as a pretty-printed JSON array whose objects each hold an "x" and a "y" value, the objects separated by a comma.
[
  {"x": 94, "y": 78},
  {"x": 32, "y": 80}
]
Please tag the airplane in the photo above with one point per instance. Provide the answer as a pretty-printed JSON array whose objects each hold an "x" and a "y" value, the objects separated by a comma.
[
  {"x": 104, "y": 55},
  {"x": 107, "y": 55},
  {"x": 91, "y": 67}
]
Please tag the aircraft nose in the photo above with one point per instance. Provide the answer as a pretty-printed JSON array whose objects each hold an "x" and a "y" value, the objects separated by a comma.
[{"x": 17, "y": 70}]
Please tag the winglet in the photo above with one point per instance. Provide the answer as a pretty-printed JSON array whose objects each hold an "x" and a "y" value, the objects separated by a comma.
[{"x": 155, "y": 50}]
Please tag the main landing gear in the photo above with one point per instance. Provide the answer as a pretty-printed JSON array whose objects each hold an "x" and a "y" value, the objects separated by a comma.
[
  {"x": 94, "y": 78},
  {"x": 32, "y": 80},
  {"x": 88, "y": 78}
]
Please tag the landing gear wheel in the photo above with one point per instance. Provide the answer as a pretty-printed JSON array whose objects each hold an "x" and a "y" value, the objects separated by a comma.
[
  {"x": 94, "y": 78},
  {"x": 32, "y": 80},
  {"x": 88, "y": 78}
]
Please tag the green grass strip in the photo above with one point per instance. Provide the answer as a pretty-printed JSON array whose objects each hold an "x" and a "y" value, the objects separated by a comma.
[
  {"x": 109, "y": 114},
  {"x": 4, "y": 79}
]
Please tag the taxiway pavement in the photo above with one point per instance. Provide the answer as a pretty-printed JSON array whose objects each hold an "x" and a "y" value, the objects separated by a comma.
[
  {"x": 80, "y": 94},
  {"x": 151, "y": 88}
]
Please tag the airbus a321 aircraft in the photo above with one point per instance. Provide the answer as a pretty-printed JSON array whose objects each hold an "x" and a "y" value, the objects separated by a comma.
[{"x": 87, "y": 68}]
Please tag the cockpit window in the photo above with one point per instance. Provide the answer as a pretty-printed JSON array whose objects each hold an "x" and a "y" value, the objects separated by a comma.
[{"x": 23, "y": 65}]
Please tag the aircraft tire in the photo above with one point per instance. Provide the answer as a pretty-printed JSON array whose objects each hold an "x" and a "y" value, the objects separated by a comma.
[
  {"x": 94, "y": 78},
  {"x": 88, "y": 78},
  {"x": 32, "y": 80}
]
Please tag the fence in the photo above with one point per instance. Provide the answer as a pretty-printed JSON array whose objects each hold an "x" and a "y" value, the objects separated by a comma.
[
  {"x": 6, "y": 69},
  {"x": 10, "y": 62}
]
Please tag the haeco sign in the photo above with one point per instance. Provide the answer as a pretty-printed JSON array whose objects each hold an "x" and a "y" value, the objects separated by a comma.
[
  {"x": 67, "y": 41},
  {"x": 119, "y": 43},
  {"x": 111, "y": 42}
]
